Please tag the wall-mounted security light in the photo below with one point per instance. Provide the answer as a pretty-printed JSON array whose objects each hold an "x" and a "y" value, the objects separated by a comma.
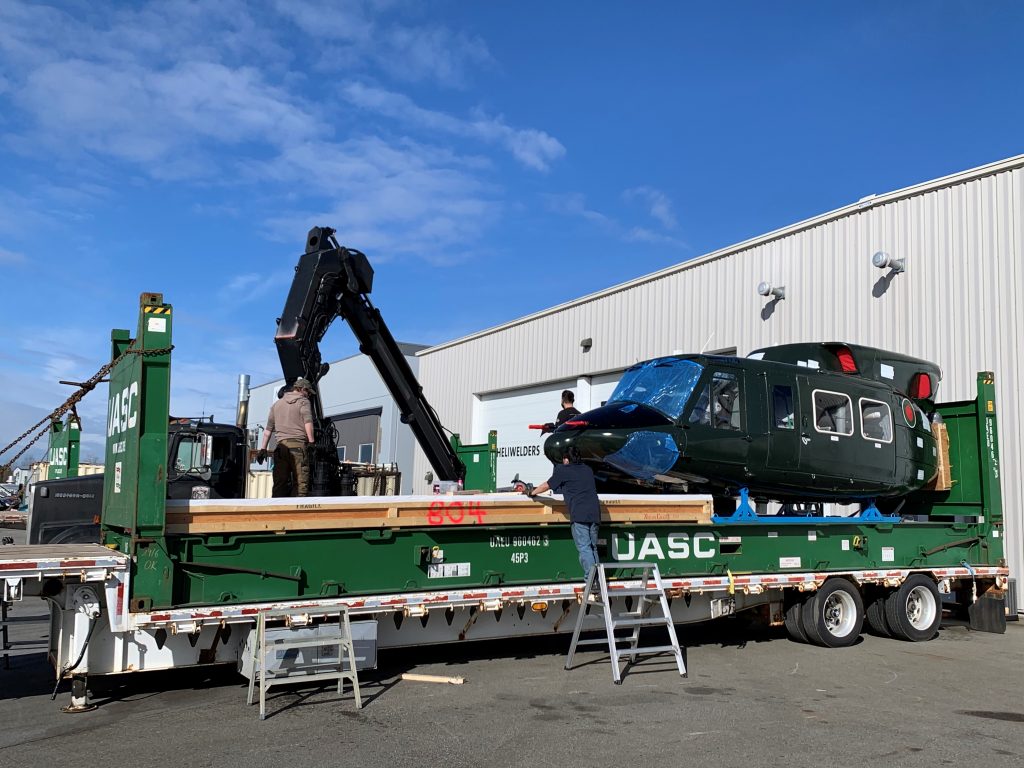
[
  {"x": 586, "y": 344},
  {"x": 883, "y": 260},
  {"x": 764, "y": 288}
]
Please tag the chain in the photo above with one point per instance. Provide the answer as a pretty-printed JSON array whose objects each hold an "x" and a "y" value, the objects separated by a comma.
[{"x": 70, "y": 404}]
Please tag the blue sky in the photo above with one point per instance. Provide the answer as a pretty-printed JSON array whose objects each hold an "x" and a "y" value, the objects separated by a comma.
[{"x": 492, "y": 159}]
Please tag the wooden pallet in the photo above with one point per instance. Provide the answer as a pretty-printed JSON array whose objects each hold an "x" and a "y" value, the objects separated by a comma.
[{"x": 332, "y": 513}]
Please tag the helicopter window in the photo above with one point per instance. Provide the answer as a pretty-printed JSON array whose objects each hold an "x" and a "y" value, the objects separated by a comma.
[
  {"x": 782, "y": 407},
  {"x": 875, "y": 421},
  {"x": 665, "y": 385},
  {"x": 719, "y": 403},
  {"x": 833, "y": 413}
]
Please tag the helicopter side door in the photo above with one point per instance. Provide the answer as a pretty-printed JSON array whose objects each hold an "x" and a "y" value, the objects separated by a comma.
[
  {"x": 876, "y": 457},
  {"x": 828, "y": 433},
  {"x": 783, "y": 424},
  {"x": 716, "y": 436}
]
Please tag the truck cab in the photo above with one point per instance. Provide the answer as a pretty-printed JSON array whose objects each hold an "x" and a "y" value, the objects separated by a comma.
[{"x": 205, "y": 460}]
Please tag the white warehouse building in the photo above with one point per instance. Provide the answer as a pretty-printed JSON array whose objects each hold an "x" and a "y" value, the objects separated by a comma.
[{"x": 958, "y": 303}]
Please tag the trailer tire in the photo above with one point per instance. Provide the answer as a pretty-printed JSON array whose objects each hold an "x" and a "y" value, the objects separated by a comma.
[
  {"x": 834, "y": 615},
  {"x": 914, "y": 611},
  {"x": 794, "y": 620},
  {"x": 874, "y": 611}
]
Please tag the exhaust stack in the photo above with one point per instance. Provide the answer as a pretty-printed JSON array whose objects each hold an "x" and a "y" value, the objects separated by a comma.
[{"x": 242, "y": 415}]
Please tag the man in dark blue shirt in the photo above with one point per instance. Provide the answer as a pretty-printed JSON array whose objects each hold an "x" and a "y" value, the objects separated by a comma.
[{"x": 574, "y": 480}]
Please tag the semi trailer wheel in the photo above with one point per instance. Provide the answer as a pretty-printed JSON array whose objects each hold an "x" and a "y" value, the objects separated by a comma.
[
  {"x": 914, "y": 611},
  {"x": 834, "y": 615},
  {"x": 874, "y": 611},
  {"x": 794, "y": 620}
]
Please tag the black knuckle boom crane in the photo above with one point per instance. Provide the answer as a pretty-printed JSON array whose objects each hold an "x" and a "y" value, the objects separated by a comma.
[{"x": 333, "y": 281}]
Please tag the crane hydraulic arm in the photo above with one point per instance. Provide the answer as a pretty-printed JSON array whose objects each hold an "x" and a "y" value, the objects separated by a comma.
[{"x": 333, "y": 281}]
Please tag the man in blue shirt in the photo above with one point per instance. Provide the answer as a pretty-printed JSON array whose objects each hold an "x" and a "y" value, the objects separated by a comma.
[{"x": 574, "y": 480}]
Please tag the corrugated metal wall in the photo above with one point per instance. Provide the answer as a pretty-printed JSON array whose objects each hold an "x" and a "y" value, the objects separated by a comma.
[{"x": 958, "y": 304}]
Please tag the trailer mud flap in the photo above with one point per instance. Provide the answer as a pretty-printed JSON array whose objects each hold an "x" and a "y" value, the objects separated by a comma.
[{"x": 988, "y": 612}]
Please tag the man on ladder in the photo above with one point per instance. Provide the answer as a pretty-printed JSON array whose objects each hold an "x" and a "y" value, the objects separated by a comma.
[{"x": 574, "y": 480}]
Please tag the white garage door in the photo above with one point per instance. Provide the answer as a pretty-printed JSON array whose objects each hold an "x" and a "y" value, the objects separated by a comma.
[{"x": 521, "y": 449}]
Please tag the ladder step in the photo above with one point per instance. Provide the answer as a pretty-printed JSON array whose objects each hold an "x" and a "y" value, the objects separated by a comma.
[
  {"x": 647, "y": 649},
  {"x": 634, "y": 591},
  {"x": 617, "y": 638},
  {"x": 652, "y": 621},
  {"x": 629, "y": 621},
  {"x": 632, "y": 565},
  {"x": 599, "y": 641}
]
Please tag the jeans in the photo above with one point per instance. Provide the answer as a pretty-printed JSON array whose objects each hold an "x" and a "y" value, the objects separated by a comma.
[{"x": 584, "y": 535}]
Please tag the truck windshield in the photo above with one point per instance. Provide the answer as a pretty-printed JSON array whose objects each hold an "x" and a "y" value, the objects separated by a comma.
[{"x": 664, "y": 384}]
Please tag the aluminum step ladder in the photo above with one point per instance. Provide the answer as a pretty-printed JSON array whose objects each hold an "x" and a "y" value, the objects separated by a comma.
[
  {"x": 596, "y": 603},
  {"x": 262, "y": 652}
]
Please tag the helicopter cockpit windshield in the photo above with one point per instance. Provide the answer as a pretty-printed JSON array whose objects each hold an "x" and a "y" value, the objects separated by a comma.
[{"x": 664, "y": 384}]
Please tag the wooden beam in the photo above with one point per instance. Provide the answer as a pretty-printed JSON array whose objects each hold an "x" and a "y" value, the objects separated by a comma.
[
  {"x": 341, "y": 513},
  {"x": 415, "y": 677}
]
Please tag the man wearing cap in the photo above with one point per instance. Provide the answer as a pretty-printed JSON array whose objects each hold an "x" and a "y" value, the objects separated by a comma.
[{"x": 291, "y": 423}]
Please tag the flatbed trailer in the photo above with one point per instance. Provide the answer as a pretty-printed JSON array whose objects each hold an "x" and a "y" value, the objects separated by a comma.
[{"x": 182, "y": 582}]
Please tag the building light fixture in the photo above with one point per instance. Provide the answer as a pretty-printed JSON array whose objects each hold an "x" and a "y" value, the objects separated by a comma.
[
  {"x": 777, "y": 292},
  {"x": 883, "y": 260}
]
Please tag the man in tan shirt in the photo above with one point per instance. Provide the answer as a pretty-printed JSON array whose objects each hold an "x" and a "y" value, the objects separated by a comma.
[{"x": 291, "y": 422}]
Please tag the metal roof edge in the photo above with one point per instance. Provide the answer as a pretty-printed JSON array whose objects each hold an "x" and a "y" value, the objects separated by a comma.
[
  {"x": 407, "y": 348},
  {"x": 870, "y": 201}
]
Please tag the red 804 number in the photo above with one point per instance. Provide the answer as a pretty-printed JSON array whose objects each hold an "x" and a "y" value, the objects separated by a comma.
[{"x": 455, "y": 513}]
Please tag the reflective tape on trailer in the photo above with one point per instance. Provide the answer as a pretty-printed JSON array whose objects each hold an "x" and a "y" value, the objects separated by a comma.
[
  {"x": 88, "y": 562},
  {"x": 492, "y": 598}
]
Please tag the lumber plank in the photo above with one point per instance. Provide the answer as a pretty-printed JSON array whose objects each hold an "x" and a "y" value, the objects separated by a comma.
[
  {"x": 943, "y": 480},
  {"x": 346, "y": 513},
  {"x": 415, "y": 677}
]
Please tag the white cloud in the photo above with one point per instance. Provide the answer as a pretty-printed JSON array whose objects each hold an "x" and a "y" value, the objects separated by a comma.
[
  {"x": 390, "y": 199},
  {"x": 11, "y": 257},
  {"x": 329, "y": 19},
  {"x": 30, "y": 376},
  {"x": 100, "y": 107},
  {"x": 660, "y": 207},
  {"x": 185, "y": 92},
  {"x": 432, "y": 53},
  {"x": 206, "y": 376},
  {"x": 642, "y": 235},
  {"x": 19, "y": 215},
  {"x": 533, "y": 148},
  {"x": 361, "y": 33},
  {"x": 252, "y": 285},
  {"x": 573, "y": 204}
]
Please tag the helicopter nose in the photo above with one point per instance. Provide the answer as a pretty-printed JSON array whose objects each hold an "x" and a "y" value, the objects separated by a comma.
[
  {"x": 645, "y": 455},
  {"x": 592, "y": 444}
]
